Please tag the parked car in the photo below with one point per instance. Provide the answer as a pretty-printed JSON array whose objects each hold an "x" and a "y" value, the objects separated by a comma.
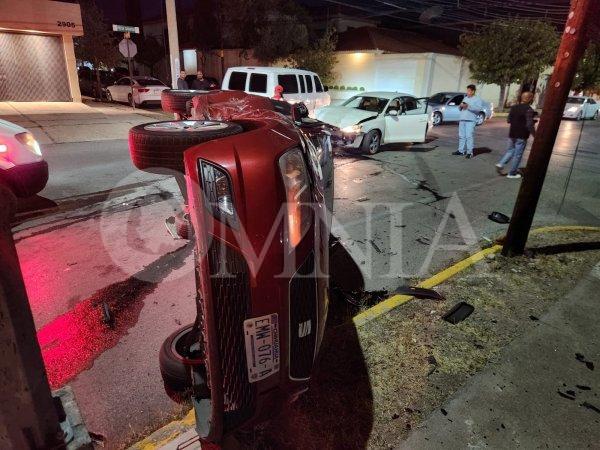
[
  {"x": 298, "y": 85},
  {"x": 88, "y": 83},
  {"x": 444, "y": 107},
  {"x": 146, "y": 90},
  {"x": 259, "y": 190},
  {"x": 372, "y": 119},
  {"x": 579, "y": 107},
  {"x": 22, "y": 167}
]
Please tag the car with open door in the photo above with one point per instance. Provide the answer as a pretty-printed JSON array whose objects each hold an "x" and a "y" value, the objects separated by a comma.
[
  {"x": 259, "y": 188},
  {"x": 444, "y": 107},
  {"x": 371, "y": 119}
]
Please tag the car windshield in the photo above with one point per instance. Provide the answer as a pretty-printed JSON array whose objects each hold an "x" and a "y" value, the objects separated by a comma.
[
  {"x": 576, "y": 100},
  {"x": 373, "y": 104},
  {"x": 440, "y": 98},
  {"x": 150, "y": 82}
]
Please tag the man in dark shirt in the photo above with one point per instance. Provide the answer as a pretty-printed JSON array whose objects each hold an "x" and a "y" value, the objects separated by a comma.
[
  {"x": 522, "y": 126},
  {"x": 201, "y": 83},
  {"x": 181, "y": 83}
]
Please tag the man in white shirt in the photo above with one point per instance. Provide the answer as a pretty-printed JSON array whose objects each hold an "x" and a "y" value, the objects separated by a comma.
[{"x": 470, "y": 107}]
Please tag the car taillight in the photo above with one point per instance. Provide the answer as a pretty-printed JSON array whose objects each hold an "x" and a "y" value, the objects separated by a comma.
[
  {"x": 295, "y": 179},
  {"x": 143, "y": 90},
  {"x": 28, "y": 140},
  {"x": 217, "y": 192}
]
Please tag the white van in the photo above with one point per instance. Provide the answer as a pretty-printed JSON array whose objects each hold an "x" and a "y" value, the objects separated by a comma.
[{"x": 298, "y": 85}]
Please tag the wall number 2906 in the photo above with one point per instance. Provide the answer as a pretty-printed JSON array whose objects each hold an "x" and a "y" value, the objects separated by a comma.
[{"x": 62, "y": 23}]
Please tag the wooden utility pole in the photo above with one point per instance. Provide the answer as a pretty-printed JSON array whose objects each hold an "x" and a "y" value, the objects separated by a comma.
[{"x": 572, "y": 47}]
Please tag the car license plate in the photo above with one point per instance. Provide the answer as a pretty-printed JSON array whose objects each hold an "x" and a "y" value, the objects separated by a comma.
[{"x": 262, "y": 346}]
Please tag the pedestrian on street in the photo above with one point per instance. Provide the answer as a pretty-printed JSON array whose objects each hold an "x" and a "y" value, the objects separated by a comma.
[
  {"x": 522, "y": 125},
  {"x": 470, "y": 107},
  {"x": 201, "y": 83},
  {"x": 181, "y": 83}
]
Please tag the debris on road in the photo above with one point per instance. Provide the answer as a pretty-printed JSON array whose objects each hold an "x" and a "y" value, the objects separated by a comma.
[
  {"x": 581, "y": 358},
  {"x": 458, "y": 313},
  {"x": 498, "y": 217}
]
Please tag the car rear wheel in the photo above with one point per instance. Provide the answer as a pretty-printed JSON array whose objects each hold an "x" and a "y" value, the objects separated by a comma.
[
  {"x": 109, "y": 98},
  {"x": 175, "y": 100},
  {"x": 179, "y": 354},
  {"x": 595, "y": 116},
  {"x": 480, "y": 119},
  {"x": 160, "y": 145},
  {"x": 437, "y": 118},
  {"x": 371, "y": 142}
]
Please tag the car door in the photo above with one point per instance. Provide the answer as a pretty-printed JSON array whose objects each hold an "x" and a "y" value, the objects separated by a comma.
[
  {"x": 590, "y": 107},
  {"x": 121, "y": 89},
  {"x": 406, "y": 120},
  {"x": 451, "y": 112}
]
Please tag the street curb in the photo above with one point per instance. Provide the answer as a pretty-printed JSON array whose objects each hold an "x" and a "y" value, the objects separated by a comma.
[
  {"x": 166, "y": 434},
  {"x": 397, "y": 300},
  {"x": 174, "y": 429}
]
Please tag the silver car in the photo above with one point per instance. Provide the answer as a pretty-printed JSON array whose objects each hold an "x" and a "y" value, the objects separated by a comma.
[{"x": 444, "y": 106}]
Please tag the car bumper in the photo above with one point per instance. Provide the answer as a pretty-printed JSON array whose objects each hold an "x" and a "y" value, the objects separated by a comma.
[
  {"x": 346, "y": 140},
  {"x": 27, "y": 179}
]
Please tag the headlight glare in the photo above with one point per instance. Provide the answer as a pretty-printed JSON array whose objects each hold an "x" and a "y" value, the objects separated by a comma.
[
  {"x": 217, "y": 192},
  {"x": 352, "y": 129},
  {"x": 296, "y": 183}
]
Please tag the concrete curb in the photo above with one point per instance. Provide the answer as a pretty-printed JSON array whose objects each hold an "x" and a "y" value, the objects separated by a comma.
[{"x": 175, "y": 429}]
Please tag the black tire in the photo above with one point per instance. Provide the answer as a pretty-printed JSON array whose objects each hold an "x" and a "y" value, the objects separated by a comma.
[
  {"x": 371, "y": 142},
  {"x": 176, "y": 364},
  {"x": 175, "y": 100},
  {"x": 182, "y": 225},
  {"x": 109, "y": 98},
  {"x": 438, "y": 119},
  {"x": 480, "y": 119},
  {"x": 152, "y": 146},
  {"x": 595, "y": 116}
]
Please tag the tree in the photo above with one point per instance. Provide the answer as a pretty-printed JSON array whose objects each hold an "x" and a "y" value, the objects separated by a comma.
[
  {"x": 150, "y": 52},
  {"x": 587, "y": 78},
  {"x": 320, "y": 57},
  {"x": 508, "y": 51},
  {"x": 97, "y": 46}
]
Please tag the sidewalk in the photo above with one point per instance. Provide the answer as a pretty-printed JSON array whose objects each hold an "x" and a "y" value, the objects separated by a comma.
[
  {"x": 60, "y": 122},
  {"x": 541, "y": 393}
]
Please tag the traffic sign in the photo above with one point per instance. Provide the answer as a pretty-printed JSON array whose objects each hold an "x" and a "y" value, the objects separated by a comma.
[
  {"x": 127, "y": 48},
  {"x": 126, "y": 28}
]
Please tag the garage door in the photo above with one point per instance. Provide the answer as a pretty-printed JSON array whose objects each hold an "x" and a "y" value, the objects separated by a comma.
[
  {"x": 395, "y": 74},
  {"x": 32, "y": 68}
]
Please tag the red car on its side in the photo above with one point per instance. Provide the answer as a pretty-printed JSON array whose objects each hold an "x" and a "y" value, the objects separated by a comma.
[{"x": 259, "y": 193}]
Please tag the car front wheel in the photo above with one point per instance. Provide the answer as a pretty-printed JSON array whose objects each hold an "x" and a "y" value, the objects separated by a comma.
[
  {"x": 437, "y": 118},
  {"x": 371, "y": 142},
  {"x": 480, "y": 119},
  {"x": 109, "y": 98}
]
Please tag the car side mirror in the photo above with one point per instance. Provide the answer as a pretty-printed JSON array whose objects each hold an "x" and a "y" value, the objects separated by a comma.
[{"x": 393, "y": 112}]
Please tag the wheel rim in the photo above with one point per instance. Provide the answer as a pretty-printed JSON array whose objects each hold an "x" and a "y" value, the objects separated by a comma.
[
  {"x": 186, "y": 125},
  {"x": 480, "y": 119},
  {"x": 374, "y": 145},
  {"x": 178, "y": 349},
  {"x": 108, "y": 96},
  {"x": 437, "y": 118}
]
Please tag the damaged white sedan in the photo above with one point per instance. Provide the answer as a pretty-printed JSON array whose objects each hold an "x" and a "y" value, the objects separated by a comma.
[{"x": 371, "y": 119}]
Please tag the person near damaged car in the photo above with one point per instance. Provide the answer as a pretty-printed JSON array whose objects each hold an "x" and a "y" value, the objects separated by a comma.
[
  {"x": 470, "y": 108},
  {"x": 522, "y": 125},
  {"x": 201, "y": 83},
  {"x": 181, "y": 83}
]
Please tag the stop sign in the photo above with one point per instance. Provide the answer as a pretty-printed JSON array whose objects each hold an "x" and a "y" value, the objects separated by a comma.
[{"x": 127, "y": 48}]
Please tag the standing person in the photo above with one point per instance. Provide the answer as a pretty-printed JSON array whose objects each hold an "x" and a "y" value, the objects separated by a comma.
[
  {"x": 181, "y": 83},
  {"x": 278, "y": 95},
  {"x": 201, "y": 83},
  {"x": 470, "y": 107},
  {"x": 522, "y": 125}
]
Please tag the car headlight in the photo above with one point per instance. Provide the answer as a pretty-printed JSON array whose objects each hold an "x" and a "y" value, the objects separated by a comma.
[
  {"x": 352, "y": 129},
  {"x": 28, "y": 140},
  {"x": 573, "y": 109},
  {"x": 298, "y": 210},
  {"x": 217, "y": 192}
]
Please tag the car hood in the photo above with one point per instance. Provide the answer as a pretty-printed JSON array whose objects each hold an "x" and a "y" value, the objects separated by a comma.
[
  {"x": 341, "y": 116},
  {"x": 10, "y": 129}
]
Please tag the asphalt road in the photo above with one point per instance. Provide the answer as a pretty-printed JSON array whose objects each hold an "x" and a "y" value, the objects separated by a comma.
[{"x": 97, "y": 234}]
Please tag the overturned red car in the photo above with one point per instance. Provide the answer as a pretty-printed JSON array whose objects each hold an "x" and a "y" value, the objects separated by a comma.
[{"x": 259, "y": 189}]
